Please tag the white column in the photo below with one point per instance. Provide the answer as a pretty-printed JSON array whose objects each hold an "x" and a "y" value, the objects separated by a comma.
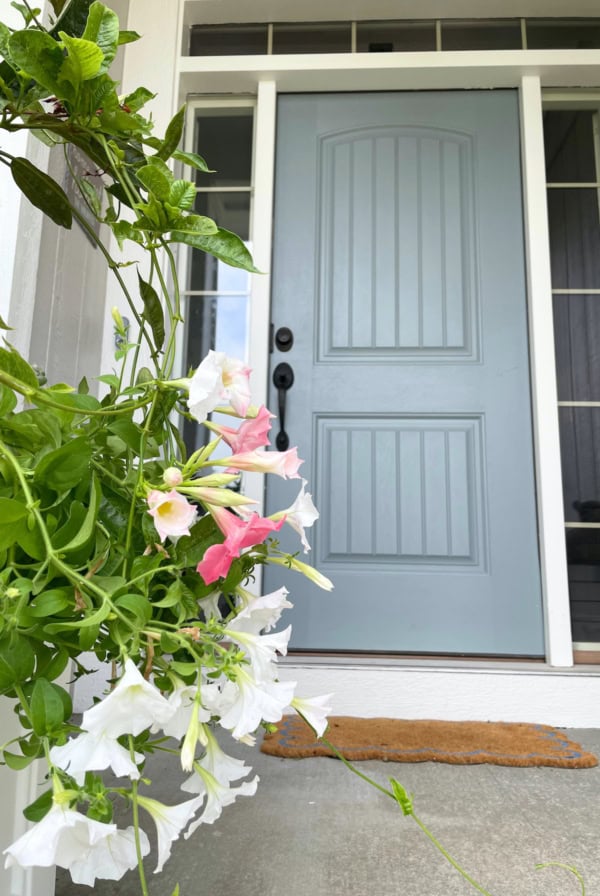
[{"x": 557, "y": 621}]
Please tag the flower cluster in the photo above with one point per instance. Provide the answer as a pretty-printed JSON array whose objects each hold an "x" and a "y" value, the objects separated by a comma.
[{"x": 221, "y": 668}]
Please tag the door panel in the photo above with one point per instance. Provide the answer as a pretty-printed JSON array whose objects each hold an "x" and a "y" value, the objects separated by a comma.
[{"x": 398, "y": 264}]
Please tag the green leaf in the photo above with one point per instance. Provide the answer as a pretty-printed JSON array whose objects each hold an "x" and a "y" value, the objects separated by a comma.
[
  {"x": 402, "y": 797},
  {"x": 136, "y": 100},
  {"x": 39, "y": 55},
  {"x": 39, "y": 808},
  {"x": 49, "y": 603},
  {"x": 78, "y": 403},
  {"x": 4, "y": 326},
  {"x": 89, "y": 523},
  {"x": 82, "y": 62},
  {"x": 155, "y": 181},
  {"x": 194, "y": 225},
  {"x": 90, "y": 194},
  {"x": 137, "y": 606},
  {"x": 190, "y": 549},
  {"x": 8, "y": 400},
  {"x": 50, "y": 705},
  {"x": 65, "y": 467},
  {"x": 102, "y": 27},
  {"x": 42, "y": 191},
  {"x": 5, "y": 35},
  {"x": 16, "y": 762},
  {"x": 182, "y": 194},
  {"x": 12, "y": 363},
  {"x": 11, "y": 512},
  {"x": 172, "y": 135},
  {"x": 17, "y": 661},
  {"x": 58, "y": 6},
  {"x": 74, "y": 18},
  {"x": 224, "y": 245},
  {"x": 128, "y": 37},
  {"x": 95, "y": 618},
  {"x": 153, "y": 312},
  {"x": 193, "y": 160},
  {"x": 175, "y": 891}
]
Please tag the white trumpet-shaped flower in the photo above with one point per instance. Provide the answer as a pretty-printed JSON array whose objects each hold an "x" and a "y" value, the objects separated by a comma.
[
  {"x": 254, "y": 703},
  {"x": 133, "y": 706},
  {"x": 183, "y": 702},
  {"x": 170, "y": 822},
  {"x": 217, "y": 796},
  {"x": 89, "y": 849},
  {"x": 261, "y": 613},
  {"x": 95, "y": 752},
  {"x": 315, "y": 710},
  {"x": 220, "y": 765},
  {"x": 260, "y": 649},
  {"x": 300, "y": 515}
]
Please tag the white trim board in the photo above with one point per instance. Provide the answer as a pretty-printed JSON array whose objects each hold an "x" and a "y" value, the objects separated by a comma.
[{"x": 530, "y": 692}]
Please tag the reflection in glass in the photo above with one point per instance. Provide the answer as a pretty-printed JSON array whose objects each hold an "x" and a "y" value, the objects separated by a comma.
[
  {"x": 224, "y": 140},
  {"x": 574, "y": 238},
  {"x": 228, "y": 40},
  {"x": 319, "y": 37},
  {"x": 569, "y": 146},
  {"x": 230, "y": 210},
  {"x": 577, "y": 343},
  {"x": 566, "y": 34},
  {"x": 580, "y": 452},
  {"x": 477, "y": 35},
  {"x": 207, "y": 274},
  {"x": 382, "y": 37}
]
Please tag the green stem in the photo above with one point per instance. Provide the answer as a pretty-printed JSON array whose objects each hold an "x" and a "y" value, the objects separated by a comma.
[
  {"x": 416, "y": 819},
  {"x": 136, "y": 826}
]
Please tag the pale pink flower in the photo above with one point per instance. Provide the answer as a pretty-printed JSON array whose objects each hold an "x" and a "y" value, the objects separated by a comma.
[
  {"x": 315, "y": 710},
  {"x": 239, "y": 534},
  {"x": 171, "y": 513},
  {"x": 282, "y": 463},
  {"x": 172, "y": 477},
  {"x": 218, "y": 378},
  {"x": 250, "y": 435},
  {"x": 89, "y": 849}
]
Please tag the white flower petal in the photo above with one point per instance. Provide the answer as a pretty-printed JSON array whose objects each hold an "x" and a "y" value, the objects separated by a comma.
[
  {"x": 94, "y": 752},
  {"x": 169, "y": 821},
  {"x": 315, "y": 710}
]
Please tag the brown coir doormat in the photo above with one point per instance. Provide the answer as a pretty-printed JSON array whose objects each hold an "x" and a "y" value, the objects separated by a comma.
[{"x": 459, "y": 743}]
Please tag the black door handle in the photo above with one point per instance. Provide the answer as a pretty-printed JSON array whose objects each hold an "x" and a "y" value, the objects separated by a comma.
[{"x": 283, "y": 379}]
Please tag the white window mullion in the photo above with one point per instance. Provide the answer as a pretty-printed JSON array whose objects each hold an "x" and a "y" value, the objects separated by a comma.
[{"x": 559, "y": 650}]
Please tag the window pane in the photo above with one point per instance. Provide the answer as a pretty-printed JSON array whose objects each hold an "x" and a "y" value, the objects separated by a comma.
[
  {"x": 566, "y": 34},
  {"x": 224, "y": 139},
  {"x": 228, "y": 40},
  {"x": 569, "y": 146},
  {"x": 580, "y": 451},
  {"x": 503, "y": 35},
  {"x": 577, "y": 338},
  {"x": 574, "y": 238},
  {"x": 583, "y": 553},
  {"x": 207, "y": 274},
  {"x": 229, "y": 210},
  {"x": 381, "y": 37},
  {"x": 320, "y": 37}
]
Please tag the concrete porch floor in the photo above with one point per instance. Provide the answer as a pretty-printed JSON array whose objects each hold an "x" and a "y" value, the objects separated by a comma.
[{"x": 315, "y": 829}]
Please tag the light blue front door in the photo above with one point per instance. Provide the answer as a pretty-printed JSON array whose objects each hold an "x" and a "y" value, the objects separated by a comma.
[{"x": 399, "y": 267}]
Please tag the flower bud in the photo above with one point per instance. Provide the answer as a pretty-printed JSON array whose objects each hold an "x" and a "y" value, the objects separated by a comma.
[{"x": 172, "y": 477}]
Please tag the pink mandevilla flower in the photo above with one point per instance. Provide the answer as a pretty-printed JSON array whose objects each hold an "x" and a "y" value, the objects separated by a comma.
[
  {"x": 282, "y": 463},
  {"x": 239, "y": 534},
  {"x": 171, "y": 513},
  {"x": 251, "y": 434}
]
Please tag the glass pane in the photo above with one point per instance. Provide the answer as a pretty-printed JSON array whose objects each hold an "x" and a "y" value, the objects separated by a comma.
[
  {"x": 207, "y": 274},
  {"x": 320, "y": 37},
  {"x": 583, "y": 553},
  {"x": 566, "y": 34},
  {"x": 228, "y": 40},
  {"x": 577, "y": 339},
  {"x": 569, "y": 146},
  {"x": 574, "y": 238},
  {"x": 580, "y": 452},
  {"x": 501, "y": 35},
  {"x": 229, "y": 210},
  {"x": 219, "y": 323},
  {"x": 223, "y": 138},
  {"x": 382, "y": 37}
]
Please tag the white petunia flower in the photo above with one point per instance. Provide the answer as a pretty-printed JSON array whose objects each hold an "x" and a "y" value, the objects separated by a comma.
[
  {"x": 261, "y": 649},
  {"x": 217, "y": 796},
  {"x": 181, "y": 702},
  {"x": 222, "y": 767},
  {"x": 301, "y": 515},
  {"x": 254, "y": 703},
  {"x": 169, "y": 821},
  {"x": 315, "y": 710},
  {"x": 133, "y": 706},
  {"x": 261, "y": 613},
  {"x": 89, "y": 849},
  {"x": 95, "y": 752}
]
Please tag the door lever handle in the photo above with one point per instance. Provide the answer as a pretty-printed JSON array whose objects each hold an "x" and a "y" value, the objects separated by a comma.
[{"x": 283, "y": 379}]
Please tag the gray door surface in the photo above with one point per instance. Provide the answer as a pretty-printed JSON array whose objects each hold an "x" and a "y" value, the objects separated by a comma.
[{"x": 399, "y": 267}]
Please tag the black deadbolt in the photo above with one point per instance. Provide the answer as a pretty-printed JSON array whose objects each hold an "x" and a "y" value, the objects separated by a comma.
[{"x": 284, "y": 339}]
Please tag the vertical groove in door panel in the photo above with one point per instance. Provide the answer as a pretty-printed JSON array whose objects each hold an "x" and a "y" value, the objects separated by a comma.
[
  {"x": 456, "y": 274},
  {"x": 430, "y": 244},
  {"x": 339, "y": 199}
]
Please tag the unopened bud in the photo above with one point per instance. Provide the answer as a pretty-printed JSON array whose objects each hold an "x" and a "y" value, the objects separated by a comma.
[{"x": 172, "y": 477}]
